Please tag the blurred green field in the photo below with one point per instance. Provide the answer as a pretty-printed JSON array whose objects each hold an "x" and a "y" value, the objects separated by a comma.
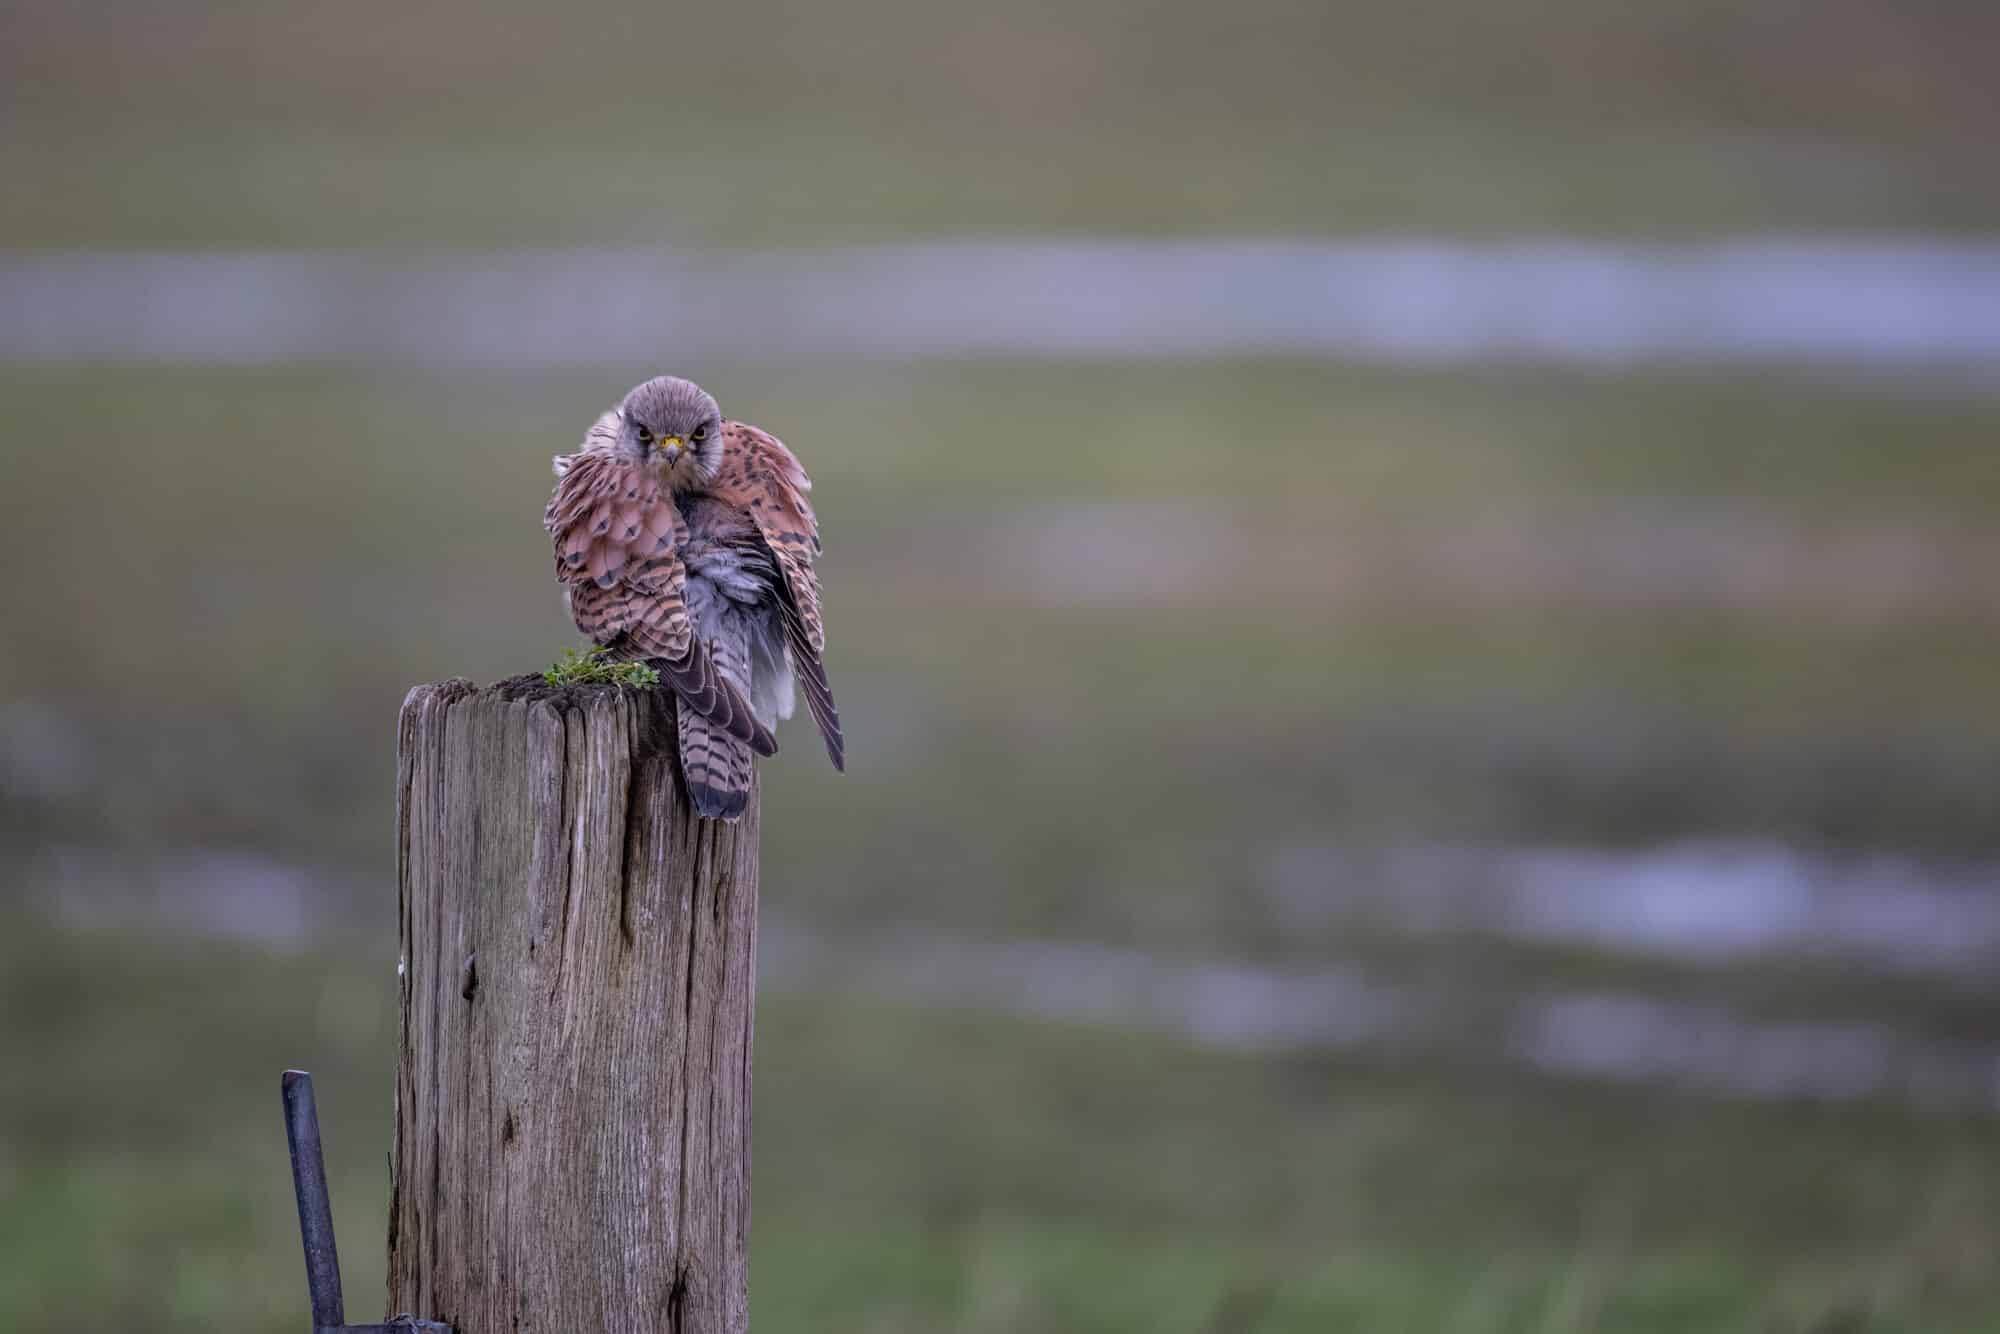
[
  {"x": 1111, "y": 643},
  {"x": 224, "y": 124},
  {"x": 233, "y": 576},
  {"x": 921, "y": 1171}
]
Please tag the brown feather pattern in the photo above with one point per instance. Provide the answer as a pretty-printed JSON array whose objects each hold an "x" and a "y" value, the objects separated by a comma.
[
  {"x": 615, "y": 536},
  {"x": 765, "y": 480}
]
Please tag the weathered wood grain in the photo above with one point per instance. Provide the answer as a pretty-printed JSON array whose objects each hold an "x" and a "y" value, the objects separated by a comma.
[{"x": 572, "y": 1145}]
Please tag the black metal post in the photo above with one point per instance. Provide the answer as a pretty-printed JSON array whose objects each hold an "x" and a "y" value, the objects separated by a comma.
[
  {"x": 329, "y": 1312},
  {"x": 315, "y": 1208}
]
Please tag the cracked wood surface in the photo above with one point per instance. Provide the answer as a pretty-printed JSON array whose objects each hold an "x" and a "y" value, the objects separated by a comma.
[{"x": 572, "y": 1142}]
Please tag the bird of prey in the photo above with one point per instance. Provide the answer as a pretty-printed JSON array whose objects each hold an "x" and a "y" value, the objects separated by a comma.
[{"x": 686, "y": 540}]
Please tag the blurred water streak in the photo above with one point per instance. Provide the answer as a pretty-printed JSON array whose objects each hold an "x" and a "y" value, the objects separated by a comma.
[
  {"x": 1617, "y": 1036},
  {"x": 1694, "y": 900},
  {"x": 1704, "y": 904},
  {"x": 1887, "y": 302}
]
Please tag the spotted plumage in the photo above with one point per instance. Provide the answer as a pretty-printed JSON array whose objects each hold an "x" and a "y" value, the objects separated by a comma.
[{"x": 688, "y": 540}]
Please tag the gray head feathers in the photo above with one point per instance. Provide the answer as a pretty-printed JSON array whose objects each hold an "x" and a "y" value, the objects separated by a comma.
[
  {"x": 669, "y": 405},
  {"x": 674, "y": 425}
]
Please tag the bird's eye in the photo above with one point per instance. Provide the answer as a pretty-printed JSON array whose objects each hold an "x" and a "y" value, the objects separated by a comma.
[
  {"x": 645, "y": 434},
  {"x": 699, "y": 434}
]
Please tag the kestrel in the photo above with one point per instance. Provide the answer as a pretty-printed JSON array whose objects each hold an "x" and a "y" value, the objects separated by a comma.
[{"x": 687, "y": 540}]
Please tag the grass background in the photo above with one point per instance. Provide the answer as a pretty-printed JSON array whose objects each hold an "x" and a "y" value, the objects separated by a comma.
[
  {"x": 925, "y": 1170},
  {"x": 1108, "y": 639},
  {"x": 437, "y": 124}
]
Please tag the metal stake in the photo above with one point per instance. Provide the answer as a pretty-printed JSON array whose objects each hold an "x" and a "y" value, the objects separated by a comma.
[{"x": 329, "y": 1312}]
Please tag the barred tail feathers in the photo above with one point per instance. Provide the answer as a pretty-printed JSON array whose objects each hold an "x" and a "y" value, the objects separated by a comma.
[{"x": 716, "y": 765}]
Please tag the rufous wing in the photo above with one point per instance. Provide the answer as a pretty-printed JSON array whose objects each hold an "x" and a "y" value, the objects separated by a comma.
[
  {"x": 616, "y": 535},
  {"x": 606, "y": 515},
  {"x": 766, "y": 481}
]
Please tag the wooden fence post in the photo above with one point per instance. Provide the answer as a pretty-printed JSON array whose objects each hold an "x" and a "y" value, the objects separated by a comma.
[{"x": 572, "y": 1147}]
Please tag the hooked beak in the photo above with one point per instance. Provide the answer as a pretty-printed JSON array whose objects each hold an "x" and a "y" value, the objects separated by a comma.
[{"x": 669, "y": 447}]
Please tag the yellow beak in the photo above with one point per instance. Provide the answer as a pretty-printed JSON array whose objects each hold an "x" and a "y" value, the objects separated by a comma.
[{"x": 670, "y": 445}]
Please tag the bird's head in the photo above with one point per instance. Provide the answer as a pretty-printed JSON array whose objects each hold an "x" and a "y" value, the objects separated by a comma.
[{"x": 673, "y": 427}]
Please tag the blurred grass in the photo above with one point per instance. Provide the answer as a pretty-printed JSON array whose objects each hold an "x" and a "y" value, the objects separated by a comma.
[
  {"x": 1332, "y": 607},
  {"x": 223, "y": 124},
  {"x": 944, "y": 1171}
]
